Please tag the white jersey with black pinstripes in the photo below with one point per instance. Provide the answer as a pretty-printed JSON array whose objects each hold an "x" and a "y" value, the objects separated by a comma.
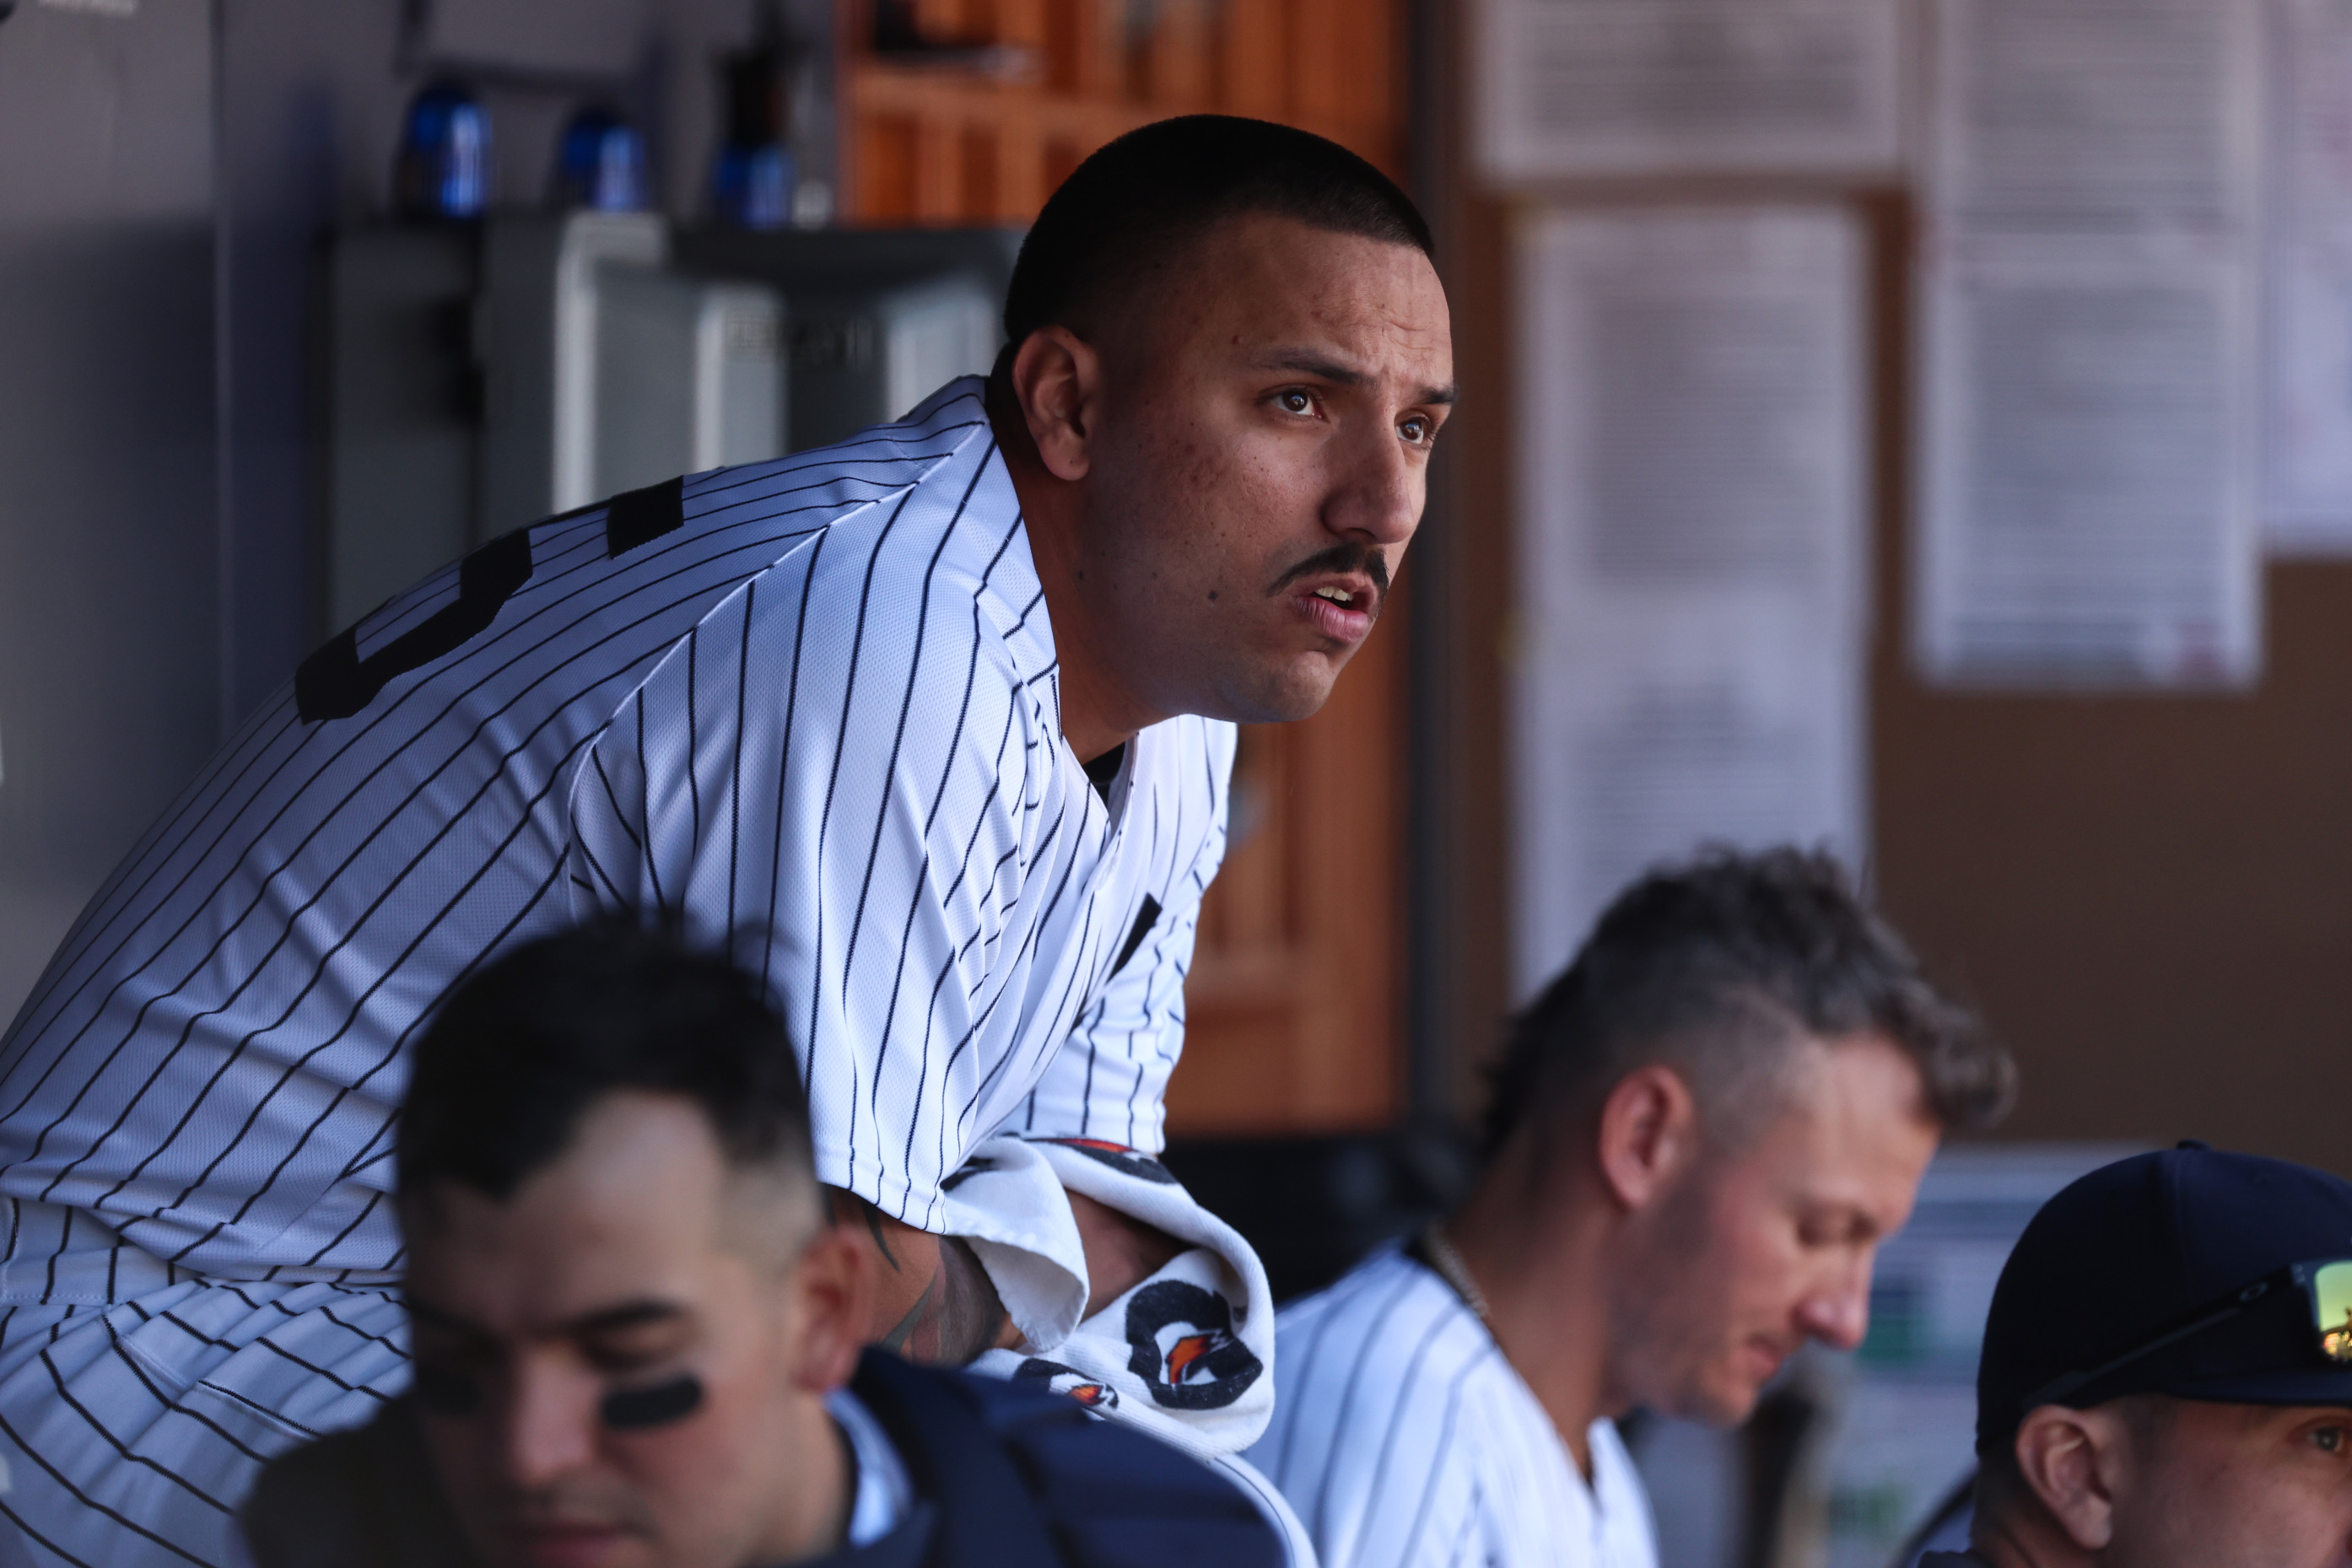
[
  {"x": 813, "y": 700},
  {"x": 1403, "y": 1439}
]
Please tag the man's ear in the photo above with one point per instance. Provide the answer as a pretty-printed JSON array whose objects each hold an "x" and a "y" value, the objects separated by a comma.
[
  {"x": 1058, "y": 382},
  {"x": 831, "y": 1289},
  {"x": 2070, "y": 1460},
  {"x": 1648, "y": 1136}
]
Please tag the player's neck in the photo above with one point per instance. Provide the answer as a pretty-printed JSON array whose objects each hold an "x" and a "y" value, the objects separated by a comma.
[
  {"x": 810, "y": 1515},
  {"x": 2016, "y": 1536},
  {"x": 1097, "y": 712},
  {"x": 1544, "y": 1287}
]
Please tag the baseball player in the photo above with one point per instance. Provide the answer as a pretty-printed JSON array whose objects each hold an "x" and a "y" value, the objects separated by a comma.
[
  {"x": 933, "y": 725},
  {"x": 1700, "y": 1133},
  {"x": 2165, "y": 1378},
  {"x": 635, "y": 1339}
]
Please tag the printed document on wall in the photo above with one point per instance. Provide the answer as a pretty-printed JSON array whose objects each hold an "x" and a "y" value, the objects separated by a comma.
[
  {"x": 2089, "y": 333},
  {"x": 1565, "y": 88},
  {"x": 2307, "y": 413},
  {"x": 1692, "y": 549}
]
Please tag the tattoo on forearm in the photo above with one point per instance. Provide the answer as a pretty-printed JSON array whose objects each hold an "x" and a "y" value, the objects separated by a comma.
[
  {"x": 959, "y": 1315},
  {"x": 873, "y": 1226},
  {"x": 835, "y": 1197},
  {"x": 895, "y": 1342}
]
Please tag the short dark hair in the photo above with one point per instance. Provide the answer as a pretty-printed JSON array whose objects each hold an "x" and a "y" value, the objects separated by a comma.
[
  {"x": 519, "y": 1052},
  {"x": 1722, "y": 962},
  {"x": 1140, "y": 199}
]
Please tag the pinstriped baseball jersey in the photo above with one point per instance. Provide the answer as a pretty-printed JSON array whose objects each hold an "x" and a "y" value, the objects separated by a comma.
[
  {"x": 1401, "y": 1437},
  {"x": 813, "y": 703}
]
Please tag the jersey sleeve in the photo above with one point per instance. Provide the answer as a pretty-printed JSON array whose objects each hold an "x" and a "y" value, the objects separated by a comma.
[
  {"x": 843, "y": 787},
  {"x": 1109, "y": 1080}
]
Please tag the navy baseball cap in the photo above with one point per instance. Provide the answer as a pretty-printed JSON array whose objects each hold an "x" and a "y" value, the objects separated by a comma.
[{"x": 2192, "y": 1272}]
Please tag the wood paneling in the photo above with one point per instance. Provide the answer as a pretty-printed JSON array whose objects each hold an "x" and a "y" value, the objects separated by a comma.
[
  {"x": 915, "y": 137},
  {"x": 1295, "y": 995}
]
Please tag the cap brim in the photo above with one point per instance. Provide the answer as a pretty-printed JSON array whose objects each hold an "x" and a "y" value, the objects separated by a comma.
[{"x": 2294, "y": 1386}]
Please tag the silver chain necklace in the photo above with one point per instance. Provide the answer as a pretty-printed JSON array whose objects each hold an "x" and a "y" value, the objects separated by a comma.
[{"x": 1450, "y": 1268}]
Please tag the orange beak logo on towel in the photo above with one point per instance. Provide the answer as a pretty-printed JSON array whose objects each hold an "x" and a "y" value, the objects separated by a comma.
[
  {"x": 1182, "y": 1346},
  {"x": 1087, "y": 1391},
  {"x": 1185, "y": 1351}
]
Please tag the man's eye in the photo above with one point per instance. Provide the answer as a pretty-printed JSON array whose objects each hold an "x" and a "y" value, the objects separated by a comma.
[
  {"x": 1296, "y": 402},
  {"x": 1834, "y": 1230},
  {"x": 1414, "y": 430},
  {"x": 2330, "y": 1439},
  {"x": 611, "y": 1358}
]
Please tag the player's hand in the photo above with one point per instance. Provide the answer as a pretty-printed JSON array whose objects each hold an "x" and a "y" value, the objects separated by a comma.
[{"x": 1121, "y": 1251}]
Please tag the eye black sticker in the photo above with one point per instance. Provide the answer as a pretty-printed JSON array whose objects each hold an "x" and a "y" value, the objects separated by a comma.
[{"x": 629, "y": 1409}]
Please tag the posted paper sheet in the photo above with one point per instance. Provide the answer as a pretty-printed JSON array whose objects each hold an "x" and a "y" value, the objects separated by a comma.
[
  {"x": 2088, "y": 355},
  {"x": 1567, "y": 88},
  {"x": 2307, "y": 412},
  {"x": 1689, "y": 643}
]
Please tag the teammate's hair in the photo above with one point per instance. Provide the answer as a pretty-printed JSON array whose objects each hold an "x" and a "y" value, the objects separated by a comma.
[
  {"x": 519, "y": 1051},
  {"x": 1135, "y": 206},
  {"x": 1718, "y": 967}
]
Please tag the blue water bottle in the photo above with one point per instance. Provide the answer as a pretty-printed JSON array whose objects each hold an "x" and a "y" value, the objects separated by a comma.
[
  {"x": 443, "y": 169},
  {"x": 600, "y": 163},
  {"x": 753, "y": 180}
]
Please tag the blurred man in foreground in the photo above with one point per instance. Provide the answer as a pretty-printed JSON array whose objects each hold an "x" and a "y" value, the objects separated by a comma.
[
  {"x": 2167, "y": 1378},
  {"x": 633, "y": 1325},
  {"x": 1700, "y": 1135}
]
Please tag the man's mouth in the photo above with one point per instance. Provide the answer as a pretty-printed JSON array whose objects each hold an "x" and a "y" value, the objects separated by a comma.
[
  {"x": 1768, "y": 1356},
  {"x": 1342, "y": 612},
  {"x": 569, "y": 1543}
]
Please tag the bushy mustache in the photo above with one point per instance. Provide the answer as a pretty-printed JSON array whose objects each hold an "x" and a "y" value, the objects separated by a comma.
[{"x": 1340, "y": 559}]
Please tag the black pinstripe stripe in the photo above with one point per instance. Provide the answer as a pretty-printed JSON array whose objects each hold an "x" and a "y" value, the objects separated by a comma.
[
  {"x": 121, "y": 1353},
  {"x": 18, "y": 1520},
  {"x": 66, "y": 1396},
  {"x": 84, "y": 1498},
  {"x": 783, "y": 760},
  {"x": 947, "y": 966},
  {"x": 285, "y": 935},
  {"x": 287, "y": 1072},
  {"x": 1327, "y": 1309},
  {"x": 735, "y": 771},
  {"x": 263, "y": 1342},
  {"x": 882, "y": 811},
  {"x": 1469, "y": 1524},
  {"x": 832, "y": 785},
  {"x": 1441, "y": 1326},
  {"x": 1365, "y": 1344},
  {"x": 335, "y": 1101}
]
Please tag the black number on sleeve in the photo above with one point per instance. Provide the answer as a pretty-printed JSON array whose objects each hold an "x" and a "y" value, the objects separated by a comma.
[{"x": 336, "y": 683}]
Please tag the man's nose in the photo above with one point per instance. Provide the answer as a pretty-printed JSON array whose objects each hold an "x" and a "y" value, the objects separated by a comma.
[
  {"x": 1838, "y": 1312},
  {"x": 551, "y": 1427},
  {"x": 1379, "y": 503}
]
